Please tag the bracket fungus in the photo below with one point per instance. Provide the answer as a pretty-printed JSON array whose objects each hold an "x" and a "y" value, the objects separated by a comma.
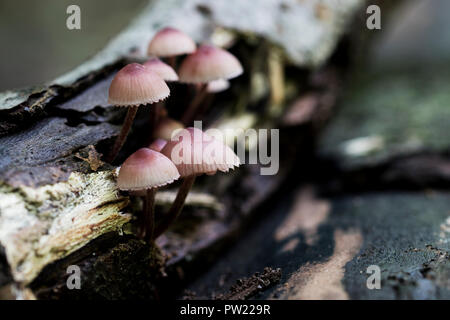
[
  {"x": 132, "y": 86},
  {"x": 146, "y": 170},
  {"x": 194, "y": 153}
]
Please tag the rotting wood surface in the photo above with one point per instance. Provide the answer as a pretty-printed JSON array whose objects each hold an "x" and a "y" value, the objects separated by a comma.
[{"x": 55, "y": 187}]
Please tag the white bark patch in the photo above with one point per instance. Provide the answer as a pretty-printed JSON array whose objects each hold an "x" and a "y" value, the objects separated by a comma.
[{"x": 39, "y": 226}]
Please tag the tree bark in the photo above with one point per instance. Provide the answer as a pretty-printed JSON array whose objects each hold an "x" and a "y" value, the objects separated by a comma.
[{"x": 54, "y": 181}]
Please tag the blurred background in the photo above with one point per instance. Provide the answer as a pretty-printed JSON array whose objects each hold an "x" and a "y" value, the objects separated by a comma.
[
  {"x": 417, "y": 33},
  {"x": 37, "y": 46}
]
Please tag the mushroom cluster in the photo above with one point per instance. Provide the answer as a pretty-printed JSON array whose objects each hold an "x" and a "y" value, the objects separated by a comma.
[{"x": 175, "y": 151}]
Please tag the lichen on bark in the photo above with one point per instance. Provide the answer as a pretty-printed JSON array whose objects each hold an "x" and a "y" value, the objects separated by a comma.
[{"x": 41, "y": 225}]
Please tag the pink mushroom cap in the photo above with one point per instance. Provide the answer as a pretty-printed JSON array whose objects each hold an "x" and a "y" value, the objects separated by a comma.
[
  {"x": 162, "y": 69},
  {"x": 146, "y": 169},
  {"x": 170, "y": 42},
  {"x": 195, "y": 152},
  {"x": 136, "y": 85},
  {"x": 158, "y": 145},
  {"x": 218, "y": 85},
  {"x": 207, "y": 64}
]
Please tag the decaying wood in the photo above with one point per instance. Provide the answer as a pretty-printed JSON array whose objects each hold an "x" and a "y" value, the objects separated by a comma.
[
  {"x": 42, "y": 225},
  {"x": 324, "y": 246},
  {"x": 247, "y": 288},
  {"x": 58, "y": 201}
]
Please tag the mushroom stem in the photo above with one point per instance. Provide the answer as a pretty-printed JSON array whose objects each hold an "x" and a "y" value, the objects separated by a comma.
[
  {"x": 153, "y": 118},
  {"x": 120, "y": 140},
  {"x": 189, "y": 114},
  {"x": 176, "y": 207},
  {"x": 149, "y": 214},
  {"x": 156, "y": 114},
  {"x": 172, "y": 61},
  {"x": 209, "y": 98},
  {"x": 140, "y": 220}
]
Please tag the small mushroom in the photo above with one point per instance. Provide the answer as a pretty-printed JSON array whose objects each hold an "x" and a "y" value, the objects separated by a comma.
[
  {"x": 207, "y": 64},
  {"x": 163, "y": 70},
  {"x": 158, "y": 145},
  {"x": 167, "y": 73},
  {"x": 147, "y": 170},
  {"x": 194, "y": 153},
  {"x": 218, "y": 85},
  {"x": 169, "y": 43},
  {"x": 132, "y": 86},
  {"x": 166, "y": 128}
]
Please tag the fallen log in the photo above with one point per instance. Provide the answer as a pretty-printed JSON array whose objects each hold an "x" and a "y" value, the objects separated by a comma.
[{"x": 59, "y": 205}]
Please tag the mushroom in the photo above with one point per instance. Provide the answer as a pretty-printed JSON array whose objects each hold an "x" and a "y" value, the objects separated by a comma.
[
  {"x": 167, "y": 73},
  {"x": 218, "y": 85},
  {"x": 132, "y": 86},
  {"x": 166, "y": 128},
  {"x": 194, "y": 153},
  {"x": 169, "y": 43},
  {"x": 207, "y": 64},
  {"x": 162, "y": 69},
  {"x": 157, "y": 145},
  {"x": 146, "y": 170}
]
